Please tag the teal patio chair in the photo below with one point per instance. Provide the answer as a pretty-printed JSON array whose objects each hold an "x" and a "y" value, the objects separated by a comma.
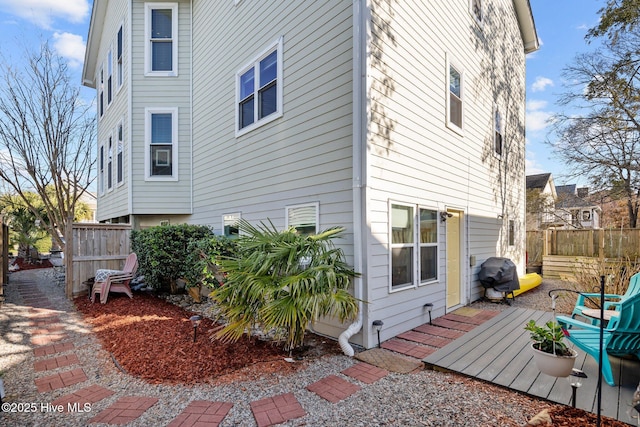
[
  {"x": 620, "y": 337},
  {"x": 611, "y": 301}
]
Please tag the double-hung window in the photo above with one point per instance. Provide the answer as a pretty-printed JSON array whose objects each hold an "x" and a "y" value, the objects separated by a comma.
[
  {"x": 161, "y": 30},
  {"x": 304, "y": 218},
  {"x": 101, "y": 170},
  {"x": 119, "y": 64},
  {"x": 414, "y": 246},
  {"x": 101, "y": 92},
  {"x": 259, "y": 90},
  {"x": 476, "y": 10},
  {"x": 161, "y": 135},
  {"x": 455, "y": 104},
  {"x": 109, "y": 76},
  {"x": 497, "y": 132},
  {"x": 119, "y": 155},
  {"x": 110, "y": 164}
]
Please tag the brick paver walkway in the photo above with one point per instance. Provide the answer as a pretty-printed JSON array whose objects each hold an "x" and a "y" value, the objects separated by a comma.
[
  {"x": 365, "y": 372},
  {"x": 61, "y": 380},
  {"x": 124, "y": 410},
  {"x": 276, "y": 409},
  {"x": 77, "y": 400},
  {"x": 333, "y": 388},
  {"x": 55, "y": 362},
  {"x": 201, "y": 413}
]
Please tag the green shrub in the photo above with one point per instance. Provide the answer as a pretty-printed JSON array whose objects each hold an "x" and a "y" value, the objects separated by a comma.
[
  {"x": 203, "y": 256},
  {"x": 162, "y": 251},
  {"x": 284, "y": 281}
]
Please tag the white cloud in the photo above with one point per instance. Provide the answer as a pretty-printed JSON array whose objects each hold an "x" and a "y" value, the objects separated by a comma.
[
  {"x": 536, "y": 104},
  {"x": 531, "y": 166},
  {"x": 71, "y": 47},
  {"x": 43, "y": 12},
  {"x": 541, "y": 83}
]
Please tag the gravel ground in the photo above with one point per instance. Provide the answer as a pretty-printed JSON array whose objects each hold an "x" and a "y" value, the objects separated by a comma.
[{"x": 426, "y": 398}]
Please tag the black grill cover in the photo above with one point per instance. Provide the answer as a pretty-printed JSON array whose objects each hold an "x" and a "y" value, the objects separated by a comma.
[{"x": 499, "y": 274}]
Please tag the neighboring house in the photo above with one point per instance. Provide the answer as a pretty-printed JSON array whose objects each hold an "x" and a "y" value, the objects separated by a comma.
[
  {"x": 575, "y": 209},
  {"x": 401, "y": 121},
  {"x": 541, "y": 200}
]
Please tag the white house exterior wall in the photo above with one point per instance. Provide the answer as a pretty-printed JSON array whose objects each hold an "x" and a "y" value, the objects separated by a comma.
[
  {"x": 113, "y": 202},
  {"x": 161, "y": 196},
  {"x": 415, "y": 158}
]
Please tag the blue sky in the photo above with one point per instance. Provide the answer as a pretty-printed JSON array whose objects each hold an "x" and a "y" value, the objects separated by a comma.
[{"x": 561, "y": 25}]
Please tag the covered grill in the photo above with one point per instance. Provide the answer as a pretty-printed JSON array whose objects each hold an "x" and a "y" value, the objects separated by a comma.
[{"x": 499, "y": 278}]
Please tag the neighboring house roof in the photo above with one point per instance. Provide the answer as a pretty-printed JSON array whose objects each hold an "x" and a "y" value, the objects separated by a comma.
[
  {"x": 538, "y": 181},
  {"x": 568, "y": 198}
]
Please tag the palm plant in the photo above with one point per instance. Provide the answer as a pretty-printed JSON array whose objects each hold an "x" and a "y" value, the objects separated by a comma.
[{"x": 283, "y": 280}]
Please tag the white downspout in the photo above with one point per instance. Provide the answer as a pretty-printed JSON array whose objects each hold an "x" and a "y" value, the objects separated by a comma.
[{"x": 359, "y": 181}]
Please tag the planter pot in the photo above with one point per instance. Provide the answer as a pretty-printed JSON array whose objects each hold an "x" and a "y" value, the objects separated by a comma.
[{"x": 552, "y": 364}]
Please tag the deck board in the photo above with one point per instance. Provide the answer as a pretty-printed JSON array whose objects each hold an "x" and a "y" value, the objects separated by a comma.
[{"x": 498, "y": 352}]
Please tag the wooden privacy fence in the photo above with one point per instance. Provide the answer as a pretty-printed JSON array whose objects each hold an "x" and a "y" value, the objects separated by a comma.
[
  {"x": 562, "y": 251},
  {"x": 93, "y": 246}
]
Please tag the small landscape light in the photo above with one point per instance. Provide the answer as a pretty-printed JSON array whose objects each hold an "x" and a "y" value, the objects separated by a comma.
[
  {"x": 575, "y": 380},
  {"x": 195, "y": 321},
  {"x": 377, "y": 325},
  {"x": 429, "y": 306}
]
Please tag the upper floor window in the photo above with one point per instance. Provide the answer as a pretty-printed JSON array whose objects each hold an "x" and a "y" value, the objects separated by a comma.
[
  {"x": 119, "y": 52},
  {"x": 259, "y": 90},
  {"x": 161, "y": 29},
  {"x": 101, "y": 92},
  {"x": 498, "y": 132},
  {"x": 454, "y": 113},
  {"x": 304, "y": 218},
  {"x": 109, "y": 76},
  {"x": 162, "y": 142},
  {"x": 476, "y": 9},
  {"x": 101, "y": 170}
]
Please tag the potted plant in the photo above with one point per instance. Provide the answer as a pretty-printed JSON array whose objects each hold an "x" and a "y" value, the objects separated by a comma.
[{"x": 550, "y": 353}]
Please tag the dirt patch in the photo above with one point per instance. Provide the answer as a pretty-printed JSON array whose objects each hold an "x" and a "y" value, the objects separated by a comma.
[{"x": 153, "y": 340}]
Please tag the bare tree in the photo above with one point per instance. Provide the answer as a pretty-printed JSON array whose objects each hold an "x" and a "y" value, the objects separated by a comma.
[{"x": 46, "y": 137}]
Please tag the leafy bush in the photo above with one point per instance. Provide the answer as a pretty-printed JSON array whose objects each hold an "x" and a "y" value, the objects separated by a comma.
[
  {"x": 162, "y": 251},
  {"x": 202, "y": 258},
  {"x": 284, "y": 281}
]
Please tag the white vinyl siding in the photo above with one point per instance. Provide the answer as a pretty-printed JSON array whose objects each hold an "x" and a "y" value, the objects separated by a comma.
[
  {"x": 417, "y": 158},
  {"x": 161, "y": 32}
]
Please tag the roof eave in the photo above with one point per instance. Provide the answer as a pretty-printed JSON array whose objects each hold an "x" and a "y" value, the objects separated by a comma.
[
  {"x": 527, "y": 25},
  {"x": 93, "y": 43}
]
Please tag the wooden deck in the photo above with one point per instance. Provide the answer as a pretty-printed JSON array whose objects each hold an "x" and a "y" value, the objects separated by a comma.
[{"x": 498, "y": 352}]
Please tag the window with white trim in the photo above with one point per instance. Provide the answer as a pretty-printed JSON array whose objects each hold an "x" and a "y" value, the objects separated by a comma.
[
  {"x": 119, "y": 53},
  {"x": 110, "y": 164},
  {"x": 110, "y": 76},
  {"x": 161, "y": 30},
  {"x": 230, "y": 225},
  {"x": 259, "y": 90},
  {"x": 101, "y": 169},
  {"x": 476, "y": 10},
  {"x": 304, "y": 218},
  {"x": 512, "y": 233},
  {"x": 119, "y": 155},
  {"x": 101, "y": 92},
  {"x": 497, "y": 132},
  {"x": 455, "y": 101},
  {"x": 161, "y": 134},
  {"x": 414, "y": 245}
]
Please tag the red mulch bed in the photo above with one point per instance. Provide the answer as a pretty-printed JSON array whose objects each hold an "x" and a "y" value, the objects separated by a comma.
[
  {"x": 26, "y": 266},
  {"x": 153, "y": 339},
  {"x": 571, "y": 417}
]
